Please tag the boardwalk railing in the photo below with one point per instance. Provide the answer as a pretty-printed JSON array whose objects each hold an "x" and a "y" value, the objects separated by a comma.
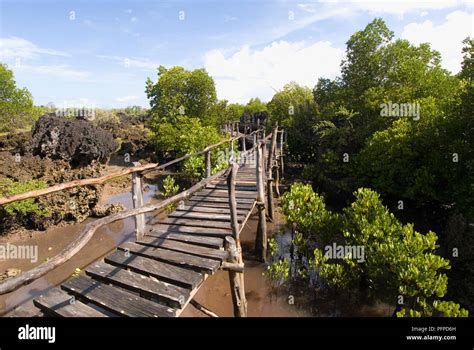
[{"x": 234, "y": 263}]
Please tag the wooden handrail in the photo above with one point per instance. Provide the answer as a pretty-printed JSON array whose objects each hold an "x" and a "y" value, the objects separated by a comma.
[
  {"x": 100, "y": 180},
  {"x": 85, "y": 236}
]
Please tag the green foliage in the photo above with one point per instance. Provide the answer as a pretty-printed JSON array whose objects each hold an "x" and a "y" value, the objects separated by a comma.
[
  {"x": 24, "y": 207},
  {"x": 254, "y": 105},
  {"x": 306, "y": 211},
  {"x": 273, "y": 246},
  {"x": 185, "y": 136},
  {"x": 170, "y": 187},
  {"x": 294, "y": 108},
  {"x": 278, "y": 272},
  {"x": 180, "y": 92},
  {"x": 398, "y": 260},
  {"x": 16, "y": 105}
]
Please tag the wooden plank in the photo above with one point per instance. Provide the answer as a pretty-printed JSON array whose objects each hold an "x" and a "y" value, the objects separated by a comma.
[
  {"x": 203, "y": 216},
  {"x": 203, "y": 203},
  {"x": 147, "y": 287},
  {"x": 115, "y": 300},
  {"x": 239, "y": 187},
  {"x": 224, "y": 193},
  {"x": 202, "y": 209},
  {"x": 172, "y": 257},
  {"x": 195, "y": 222},
  {"x": 58, "y": 303},
  {"x": 205, "y": 198},
  {"x": 150, "y": 267},
  {"x": 205, "y": 241},
  {"x": 184, "y": 247},
  {"x": 199, "y": 231}
]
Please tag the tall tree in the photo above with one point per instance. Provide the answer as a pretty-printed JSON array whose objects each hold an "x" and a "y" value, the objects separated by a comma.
[
  {"x": 181, "y": 92},
  {"x": 16, "y": 105}
]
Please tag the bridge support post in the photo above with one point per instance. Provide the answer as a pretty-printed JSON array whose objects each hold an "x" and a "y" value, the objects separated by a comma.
[
  {"x": 137, "y": 196},
  {"x": 270, "y": 168},
  {"x": 261, "y": 239},
  {"x": 207, "y": 155},
  {"x": 281, "y": 152},
  {"x": 270, "y": 198},
  {"x": 234, "y": 250}
]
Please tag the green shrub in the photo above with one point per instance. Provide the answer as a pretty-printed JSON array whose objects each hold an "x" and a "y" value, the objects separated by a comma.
[{"x": 24, "y": 207}]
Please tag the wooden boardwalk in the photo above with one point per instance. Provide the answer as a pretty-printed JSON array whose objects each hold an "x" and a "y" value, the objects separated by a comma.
[{"x": 159, "y": 274}]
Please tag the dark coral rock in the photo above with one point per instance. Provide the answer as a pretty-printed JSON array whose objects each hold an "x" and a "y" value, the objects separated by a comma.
[{"x": 77, "y": 141}]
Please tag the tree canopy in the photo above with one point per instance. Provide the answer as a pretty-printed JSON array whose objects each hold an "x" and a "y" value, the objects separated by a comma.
[{"x": 16, "y": 104}]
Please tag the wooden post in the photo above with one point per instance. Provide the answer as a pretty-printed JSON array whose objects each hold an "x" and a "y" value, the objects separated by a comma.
[
  {"x": 272, "y": 150},
  {"x": 234, "y": 249},
  {"x": 244, "y": 145},
  {"x": 270, "y": 198},
  {"x": 277, "y": 181},
  {"x": 207, "y": 156},
  {"x": 137, "y": 196},
  {"x": 271, "y": 158},
  {"x": 281, "y": 153},
  {"x": 261, "y": 239},
  {"x": 254, "y": 139}
]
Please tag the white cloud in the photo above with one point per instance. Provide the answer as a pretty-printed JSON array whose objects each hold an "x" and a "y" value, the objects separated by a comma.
[
  {"x": 59, "y": 71},
  {"x": 398, "y": 7},
  {"x": 445, "y": 37},
  {"x": 248, "y": 73},
  {"x": 133, "y": 62},
  {"x": 126, "y": 98},
  {"x": 133, "y": 19},
  {"x": 13, "y": 48}
]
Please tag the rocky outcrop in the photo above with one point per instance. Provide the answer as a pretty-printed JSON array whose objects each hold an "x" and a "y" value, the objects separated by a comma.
[{"x": 77, "y": 141}]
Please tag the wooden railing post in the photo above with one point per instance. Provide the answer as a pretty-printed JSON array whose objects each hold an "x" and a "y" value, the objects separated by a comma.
[
  {"x": 270, "y": 169},
  {"x": 234, "y": 249},
  {"x": 207, "y": 156},
  {"x": 137, "y": 197},
  {"x": 281, "y": 152},
  {"x": 261, "y": 239},
  {"x": 231, "y": 151}
]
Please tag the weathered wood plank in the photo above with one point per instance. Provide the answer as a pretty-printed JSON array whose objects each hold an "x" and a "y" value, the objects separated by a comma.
[
  {"x": 204, "y": 203},
  {"x": 172, "y": 257},
  {"x": 239, "y": 187},
  {"x": 205, "y": 198},
  {"x": 199, "y": 231},
  {"x": 147, "y": 287},
  {"x": 184, "y": 247},
  {"x": 202, "y": 209},
  {"x": 58, "y": 303},
  {"x": 205, "y": 241},
  {"x": 115, "y": 300},
  {"x": 224, "y": 193},
  {"x": 195, "y": 222},
  {"x": 150, "y": 267},
  {"x": 203, "y": 216}
]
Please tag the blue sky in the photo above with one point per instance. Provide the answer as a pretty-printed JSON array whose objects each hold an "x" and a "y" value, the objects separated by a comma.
[{"x": 99, "y": 53}]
